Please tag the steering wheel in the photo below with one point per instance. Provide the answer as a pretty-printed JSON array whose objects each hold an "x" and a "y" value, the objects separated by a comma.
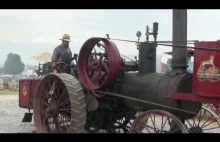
[{"x": 61, "y": 67}]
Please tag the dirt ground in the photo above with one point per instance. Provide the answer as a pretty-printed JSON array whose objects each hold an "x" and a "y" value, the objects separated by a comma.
[{"x": 11, "y": 116}]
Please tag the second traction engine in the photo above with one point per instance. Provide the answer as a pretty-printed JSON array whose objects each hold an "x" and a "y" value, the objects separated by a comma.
[{"x": 107, "y": 75}]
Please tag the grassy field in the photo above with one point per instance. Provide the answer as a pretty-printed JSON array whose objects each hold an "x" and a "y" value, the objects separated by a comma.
[
  {"x": 11, "y": 89},
  {"x": 8, "y": 92}
]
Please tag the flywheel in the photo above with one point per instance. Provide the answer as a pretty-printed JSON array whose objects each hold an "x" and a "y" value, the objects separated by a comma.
[{"x": 99, "y": 70}]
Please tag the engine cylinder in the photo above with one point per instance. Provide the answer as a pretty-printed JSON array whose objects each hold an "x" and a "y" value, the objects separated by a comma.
[{"x": 150, "y": 87}]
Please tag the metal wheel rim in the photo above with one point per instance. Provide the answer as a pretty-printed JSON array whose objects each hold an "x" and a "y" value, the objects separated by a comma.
[
  {"x": 178, "y": 123},
  {"x": 77, "y": 100},
  {"x": 214, "y": 108},
  {"x": 199, "y": 125},
  {"x": 44, "y": 100}
]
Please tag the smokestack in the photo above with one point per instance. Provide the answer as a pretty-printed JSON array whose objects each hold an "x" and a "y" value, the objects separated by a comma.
[{"x": 179, "y": 58}]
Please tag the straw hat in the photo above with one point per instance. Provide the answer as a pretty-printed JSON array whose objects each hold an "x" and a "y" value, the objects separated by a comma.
[{"x": 66, "y": 37}]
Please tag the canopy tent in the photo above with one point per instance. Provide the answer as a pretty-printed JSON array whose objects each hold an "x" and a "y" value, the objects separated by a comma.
[
  {"x": 44, "y": 57},
  {"x": 43, "y": 67}
]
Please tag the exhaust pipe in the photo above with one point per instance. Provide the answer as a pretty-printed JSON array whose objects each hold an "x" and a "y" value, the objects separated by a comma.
[{"x": 179, "y": 59}]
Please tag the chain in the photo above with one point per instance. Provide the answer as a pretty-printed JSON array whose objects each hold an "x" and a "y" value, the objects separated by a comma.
[
  {"x": 147, "y": 102},
  {"x": 161, "y": 43},
  {"x": 143, "y": 101},
  {"x": 172, "y": 45}
]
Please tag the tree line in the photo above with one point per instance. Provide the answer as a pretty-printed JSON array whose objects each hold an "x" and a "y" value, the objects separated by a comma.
[{"x": 13, "y": 64}]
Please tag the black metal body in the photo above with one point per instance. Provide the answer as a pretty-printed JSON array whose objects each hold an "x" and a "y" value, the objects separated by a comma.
[
  {"x": 130, "y": 66},
  {"x": 147, "y": 58},
  {"x": 150, "y": 87}
]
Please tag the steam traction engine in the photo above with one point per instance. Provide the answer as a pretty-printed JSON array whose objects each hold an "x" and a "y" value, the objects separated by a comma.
[{"x": 107, "y": 92}]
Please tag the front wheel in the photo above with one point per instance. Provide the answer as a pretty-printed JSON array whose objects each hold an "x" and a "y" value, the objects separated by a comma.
[
  {"x": 157, "y": 121},
  {"x": 206, "y": 121},
  {"x": 59, "y": 105}
]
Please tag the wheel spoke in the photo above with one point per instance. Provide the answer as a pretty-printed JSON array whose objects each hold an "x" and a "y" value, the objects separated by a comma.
[
  {"x": 152, "y": 122},
  {"x": 164, "y": 124},
  {"x": 45, "y": 104},
  {"x": 157, "y": 114},
  {"x": 203, "y": 125},
  {"x": 189, "y": 123},
  {"x": 194, "y": 123},
  {"x": 92, "y": 67},
  {"x": 105, "y": 66},
  {"x": 200, "y": 117},
  {"x": 45, "y": 113},
  {"x": 57, "y": 121},
  {"x": 62, "y": 96},
  {"x": 209, "y": 123},
  {"x": 204, "y": 120},
  {"x": 65, "y": 110},
  {"x": 176, "y": 130},
  {"x": 67, "y": 100},
  {"x": 147, "y": 126}
]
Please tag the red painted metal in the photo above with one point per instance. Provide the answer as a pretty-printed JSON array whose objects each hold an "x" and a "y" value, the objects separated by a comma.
[
  {"x": 206, "y": 76},
  {"x": 206, "y": 72},
  {"x": 24, "y": 93},
  {"x": 27, "y": 89},
  {"x": 113, "y": 63},
  {"x": 34, "y": 84},
  {"x": 193, "y": 98}
]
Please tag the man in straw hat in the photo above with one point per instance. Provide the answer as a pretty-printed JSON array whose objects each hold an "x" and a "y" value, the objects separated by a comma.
[
  {"x": 61, "y": 50},
  {"x": 58, "y": 54}
]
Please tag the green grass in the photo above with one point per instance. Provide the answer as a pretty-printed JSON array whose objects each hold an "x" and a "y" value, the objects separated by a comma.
[{"x": 8, "y": 92}]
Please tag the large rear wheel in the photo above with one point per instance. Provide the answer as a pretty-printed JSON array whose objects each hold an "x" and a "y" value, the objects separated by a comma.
[{"x": 59, "y": 105}]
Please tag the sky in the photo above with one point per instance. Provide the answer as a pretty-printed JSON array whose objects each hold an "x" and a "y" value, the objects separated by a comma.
[{"x": 31, "y": 32}]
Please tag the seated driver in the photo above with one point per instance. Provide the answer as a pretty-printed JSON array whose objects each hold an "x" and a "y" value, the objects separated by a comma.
[{"x": 60, "y": 50}]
